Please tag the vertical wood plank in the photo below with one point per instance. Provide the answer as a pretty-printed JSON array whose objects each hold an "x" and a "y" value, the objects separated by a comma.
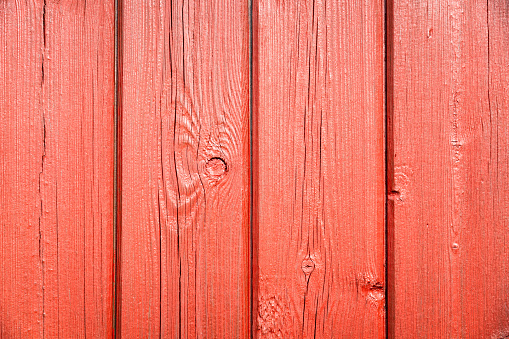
[
  {"x": 56, "y": 172},
  {"x": 450, "y": 169},
  {"x": 319, "y": 168},
  {"x": 185, "y": 169}
]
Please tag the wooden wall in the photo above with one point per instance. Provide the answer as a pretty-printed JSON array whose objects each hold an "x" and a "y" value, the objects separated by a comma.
[{"x": 263, "y": 168}]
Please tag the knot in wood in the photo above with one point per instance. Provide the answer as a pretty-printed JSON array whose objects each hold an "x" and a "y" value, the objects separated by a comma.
[
  {"x": 216, "y": 168},
  {"x": 308, "y": 266}
]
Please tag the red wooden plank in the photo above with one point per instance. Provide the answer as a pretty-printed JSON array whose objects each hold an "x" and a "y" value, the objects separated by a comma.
[
  {"x": 319, "y": 168},
  {"x": 450, "y": 169},
  {"x": 56, "y": 172},
  {"x": 185, "y": 169}
]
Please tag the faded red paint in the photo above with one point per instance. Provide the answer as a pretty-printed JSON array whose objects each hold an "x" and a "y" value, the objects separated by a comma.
[
  {"x": 56, "y": 172},
  {"x": 319, "y": 169},
  {"x": 185, "y": 262},
  {"x": 449, "y": 169},
  {"x": 310, "y": 263}
]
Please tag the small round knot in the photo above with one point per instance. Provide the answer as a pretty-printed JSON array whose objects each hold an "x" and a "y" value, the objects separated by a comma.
[
  {"x": 216, "y": 168},
  {"x": 308, "y": 266}
]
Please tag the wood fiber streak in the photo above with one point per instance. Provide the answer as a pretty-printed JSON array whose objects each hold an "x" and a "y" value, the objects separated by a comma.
[
  {"x": 56, "y": 168},
  {"x": 450, "y": 169},
  {"x": 185, "y": 267},
  {"x": 319, "y": 169}
]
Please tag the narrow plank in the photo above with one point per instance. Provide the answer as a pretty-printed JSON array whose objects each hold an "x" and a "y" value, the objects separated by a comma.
[
  {"x": 185, "y": 169},
  {"x": 319, "y": 169},
  {"x": 56, "y": 179},
  {"x": 450, "y": 169}
]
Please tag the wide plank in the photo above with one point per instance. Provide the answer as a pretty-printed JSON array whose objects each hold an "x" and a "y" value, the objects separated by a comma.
[
  {"x": 56, "y": 171},
  {"x": 318, "y": 165},
  {"x": 449, "y": 169},
  {"x": 184, "y": 157}
]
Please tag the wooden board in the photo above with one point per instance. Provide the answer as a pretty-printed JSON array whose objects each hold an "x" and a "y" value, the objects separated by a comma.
[
  {"x": 56, "y": 168},
  {"x": 185, "y": 264},
  {"x": 319, "y": 169},
  {"x": 449, "y": 169}
]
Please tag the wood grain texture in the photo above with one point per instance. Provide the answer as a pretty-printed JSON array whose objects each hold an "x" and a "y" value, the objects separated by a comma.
[
  {"x": 185, "y": 169},
  {"x": 319, "y": 169},
  {"x": 449, "y": 169},
  {"x": 56, "y": 169}
]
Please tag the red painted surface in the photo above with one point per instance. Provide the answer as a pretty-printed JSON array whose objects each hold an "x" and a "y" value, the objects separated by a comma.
[
  {"x": 56, "y": 172},
  {"x": 185, "y": 169},
  {"x": 449, "y": 169},
  {"x": 310, "y": 263},
  {"x": 319, "y": 169}
]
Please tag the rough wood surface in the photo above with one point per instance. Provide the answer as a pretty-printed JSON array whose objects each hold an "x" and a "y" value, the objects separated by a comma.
[
  {"x": 56, "y": 168},
  {"x": 449, "y": 169},
  {"x": 185, "y": 169},
  {"x": 319, "y": 169}
]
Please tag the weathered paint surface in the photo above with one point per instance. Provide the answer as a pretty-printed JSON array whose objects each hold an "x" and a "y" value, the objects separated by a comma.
[
  {"x": 56, "y": 168},
  {"x": 319, "y": 169},
  {"x": 185, "y": 267},
  {"x": 449, "y": 169}
]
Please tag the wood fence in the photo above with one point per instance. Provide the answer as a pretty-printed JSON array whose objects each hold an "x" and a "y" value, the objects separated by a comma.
[{"x": 268, "y": 169}]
